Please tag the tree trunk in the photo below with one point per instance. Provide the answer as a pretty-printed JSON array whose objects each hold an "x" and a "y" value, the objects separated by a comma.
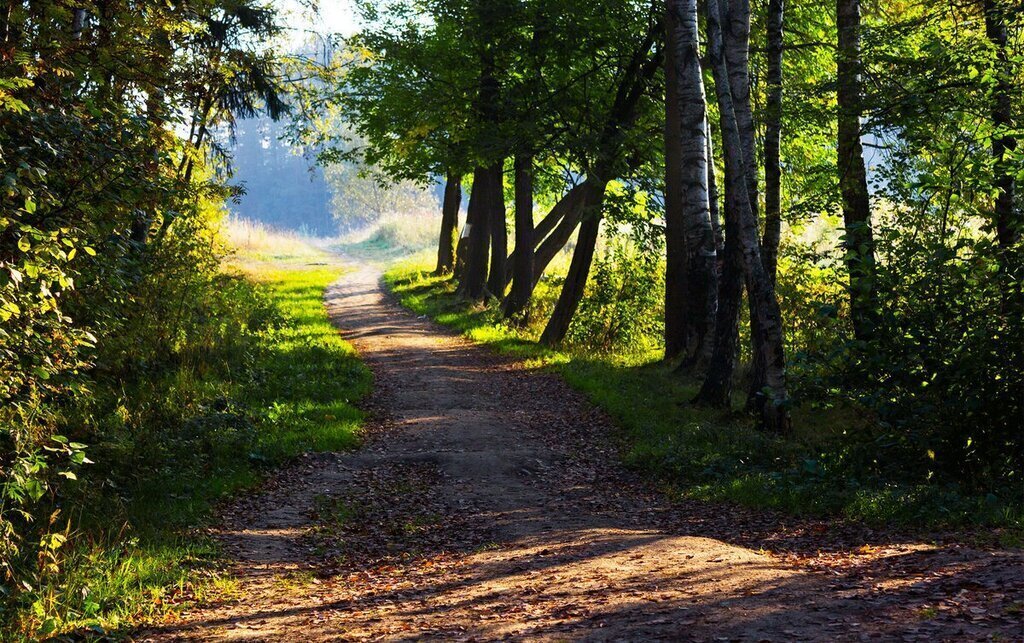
[
  {"x": 774, "y": 414},
  {"x": 576, "y": 279},
  {"x": 449, "y": 224},
  {"x": 575, "y": 204},
  {"x": 461, "y": 250},
  {"x": 522, "y": 281},
  {"x": 716, "y": 215},
  {"x": 716, "y": 390},
  {"x": 853, "y": 186},
  {"x": 473, "y": 280},
  {"x": 676, "y": 330},
  {"x": 772, "y": 140},
  {"x": 701, "y": 289},
  {"x": 499, "y": 230},
  {"x": 736, "y": 46},
  {"x": 1007, "y": 223},
  {"x": 547, "y": 224}
]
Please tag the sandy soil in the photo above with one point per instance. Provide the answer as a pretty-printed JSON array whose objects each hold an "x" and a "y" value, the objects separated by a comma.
[{"x": 484, "y": 507}]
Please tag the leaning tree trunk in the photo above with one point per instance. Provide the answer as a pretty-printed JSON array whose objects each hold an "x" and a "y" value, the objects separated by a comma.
[
  {"x": 701, "y": 289},
  {"x": 773, "y": 412},
  {"x": 522, "y": 260},
  {"x": 575, "y": 206},
  {"x": 1008, "y": 223},
  {"x": 858, "y": 240},
  {"x": 565, "y": 205},
  {"x": 473, "y": 280},
  {"x": 676, "y": 330},
  {"x": 449, "y": 224},
  {"x": 576, "y": 279},
  {"x": 772, "y": 140}
]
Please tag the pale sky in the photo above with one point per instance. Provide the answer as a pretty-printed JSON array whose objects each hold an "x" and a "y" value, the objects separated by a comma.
[{"x": 335, "y": 16}]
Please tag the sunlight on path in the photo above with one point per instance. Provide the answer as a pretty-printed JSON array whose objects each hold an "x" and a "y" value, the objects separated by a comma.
[{"x": 483, "y": 506}]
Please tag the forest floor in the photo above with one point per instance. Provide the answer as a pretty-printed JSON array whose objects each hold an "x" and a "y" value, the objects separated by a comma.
[{"x": 488, "y": 502}]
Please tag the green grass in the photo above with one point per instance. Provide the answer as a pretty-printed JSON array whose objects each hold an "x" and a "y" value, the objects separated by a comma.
[
  {"x": 223, "y": 419},
  {"x": 708, "y": 454}
]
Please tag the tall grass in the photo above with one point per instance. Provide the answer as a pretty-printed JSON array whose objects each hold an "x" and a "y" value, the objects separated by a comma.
[
  {"x": 256, "y": 239},
  {"x": 261, "y": 378}
]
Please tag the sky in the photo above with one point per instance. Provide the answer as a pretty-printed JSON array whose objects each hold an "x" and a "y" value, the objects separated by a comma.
[{"x": 335, "y": 16}]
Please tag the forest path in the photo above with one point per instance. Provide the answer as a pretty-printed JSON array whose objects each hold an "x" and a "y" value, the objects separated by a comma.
[{"x": 487, "y": 504}]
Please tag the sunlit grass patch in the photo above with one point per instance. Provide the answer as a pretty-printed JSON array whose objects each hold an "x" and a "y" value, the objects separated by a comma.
[{"x": 232, "y": 409}]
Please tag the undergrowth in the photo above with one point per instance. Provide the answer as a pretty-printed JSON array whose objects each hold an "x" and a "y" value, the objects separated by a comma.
[
  {"x": 710, "y": 454},
  {"x": 263, "y": 378}
]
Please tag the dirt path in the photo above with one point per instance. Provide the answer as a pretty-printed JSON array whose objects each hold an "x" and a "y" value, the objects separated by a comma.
[{"x": 481, "y": 509}]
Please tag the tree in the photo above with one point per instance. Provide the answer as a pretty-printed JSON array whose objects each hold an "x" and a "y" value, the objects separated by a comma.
[
  {"x": 610, "y": 149},
  {"x": 449, "y": 224},
  {"x": 691, "y": 279},
  {"x": 772, "y": 140},
  {"x": 858, "y": 238},
  {"x": 1009, "y": 224},
  {"x": 765, "y": 316},
  {"x": 522, "y": 260}
]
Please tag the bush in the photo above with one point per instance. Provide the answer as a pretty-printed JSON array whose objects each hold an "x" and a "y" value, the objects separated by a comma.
[{"x": 623, "y": 307}]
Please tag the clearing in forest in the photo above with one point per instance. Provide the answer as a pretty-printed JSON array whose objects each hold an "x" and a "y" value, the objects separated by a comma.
[{"x": 487, "y": 503}]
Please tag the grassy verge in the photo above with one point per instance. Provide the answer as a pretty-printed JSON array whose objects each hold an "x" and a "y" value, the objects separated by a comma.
[
  {"x": 278, "y": 381},
  {"x": 714, "y": 455}
]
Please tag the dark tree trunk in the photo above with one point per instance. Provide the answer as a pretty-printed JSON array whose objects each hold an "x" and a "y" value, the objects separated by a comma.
[
  {"x": 473, "y": 279},
  {"x": 858, "y": 240},
  {"x": 773, "y": 410},
  {"x": 716, "y": 390},
  {"x": 499, "y": 230},
  {"x": 547, "y": 224},
  {"x": 772, "y": 140},
  {"x": 449, "y": 224},
  {"x": 574, "y": 205},
  {"x": 576, "y": 279},
  {"x": 736, "y": 45},
  {"x": 716, "y": 215},
  {"x": 1007, "y": 222},
  {"x": 522, "y": 268},
  {"x": 632, "y": 87},
  {"x": 675, "y": 231},
  {"x": 461, "y": 250}
]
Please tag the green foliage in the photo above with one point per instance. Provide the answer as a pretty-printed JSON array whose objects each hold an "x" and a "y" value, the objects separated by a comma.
[
  {"x": 623, "y": 308},
  {"x": 117, "y": 328},
  {"x": 258, "y": 375}
]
